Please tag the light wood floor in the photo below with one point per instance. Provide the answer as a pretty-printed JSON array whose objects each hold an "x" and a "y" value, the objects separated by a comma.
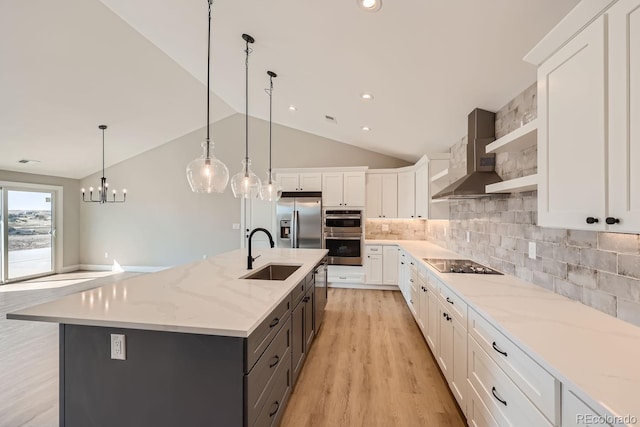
[
  {"x": 370, "y": 366},
  {"x": 29, "y": 350}
]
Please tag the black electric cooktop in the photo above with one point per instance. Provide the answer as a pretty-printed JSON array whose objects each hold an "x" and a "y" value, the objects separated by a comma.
[{"x": 459, "y": 266}]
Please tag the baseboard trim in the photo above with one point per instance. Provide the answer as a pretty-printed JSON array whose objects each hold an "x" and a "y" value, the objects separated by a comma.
[
  {"x": 364, "y": 286},
  {"x": 70, "y": 268},
  {"x": 127, "y": 268}
]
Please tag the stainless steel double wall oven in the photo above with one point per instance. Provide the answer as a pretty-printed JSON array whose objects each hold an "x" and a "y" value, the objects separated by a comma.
[{"x": 343, "y": 236}]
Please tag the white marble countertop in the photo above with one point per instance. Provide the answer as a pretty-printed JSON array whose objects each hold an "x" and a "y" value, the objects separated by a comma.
[
  {"x": 204, "y": 297},
  {"x": 597, "y": 354}
]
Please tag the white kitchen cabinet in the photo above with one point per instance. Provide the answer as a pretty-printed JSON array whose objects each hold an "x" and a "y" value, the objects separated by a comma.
[
  {"x": 343, "y": 189},
  {"x": 382, "y": 195},
  {"x": 406, "y": 194},
  {"x": 452, "y": 352},
  {"x": 624, "y": 115},
  {"x": 576, "y": 413},
  {"x": 390, "y": 265},
  {"x": 288, "y": 181},
  {"x": 422, "y": 196},
  {"x": 423, "y": 304},
  {"x": 308, "y": 181},
  {"x": 572, "y": 126},
  {"x": 373, "y": 264},
  {"x": 588, "y": 138},
  {"x": 504, "y": 400},
  {"x": 433, "y": 322}
]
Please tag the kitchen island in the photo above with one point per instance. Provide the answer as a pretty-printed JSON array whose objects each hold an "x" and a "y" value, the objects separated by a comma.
[{"x": 194, "y": 345}]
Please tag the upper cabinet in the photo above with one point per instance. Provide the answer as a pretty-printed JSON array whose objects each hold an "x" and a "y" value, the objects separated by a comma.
[
  {"x": 422, "y": 190},
  {"x": 311, "y": 181},
  {"x": 624, "y": 116},
  {"x": 382, "y": 195},
  {"x": 588, "y": 142},
  {"x": 343, "y": 188},
  {"x": 406, "y": 194}
]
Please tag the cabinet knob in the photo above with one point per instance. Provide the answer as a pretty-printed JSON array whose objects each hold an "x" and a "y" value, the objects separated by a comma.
[
  {"x": 592, "y": 220},
  {"x": 611, "y": 220}
]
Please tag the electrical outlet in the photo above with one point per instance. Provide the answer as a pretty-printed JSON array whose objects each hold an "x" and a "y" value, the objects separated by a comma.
[
  {"x": 235, "y": 226},
  {"x": 106, "y": 255},
  {"x": 532, "y": 250},
  {"x": 118, "y": 348},
  {"x": 468, "y": 236},
  {"x": 445, "y": 232}
]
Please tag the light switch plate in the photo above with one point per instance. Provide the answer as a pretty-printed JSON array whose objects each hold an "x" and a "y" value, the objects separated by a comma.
[
  {"x": 532, "y": 250},
  {"x": 118, "y": 347},
  {"x": 235, "y": 226},
  {"x": 468, "y": 236}
]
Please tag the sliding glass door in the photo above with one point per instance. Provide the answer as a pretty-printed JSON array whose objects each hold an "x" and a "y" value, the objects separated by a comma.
[{"x": 28, "y": 233}]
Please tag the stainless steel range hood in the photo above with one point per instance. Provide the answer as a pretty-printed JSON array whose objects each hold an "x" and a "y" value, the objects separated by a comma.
[{"x": 480, "y": 165}]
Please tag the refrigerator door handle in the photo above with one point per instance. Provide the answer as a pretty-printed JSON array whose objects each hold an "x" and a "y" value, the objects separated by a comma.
[{"x": 295, "y": 229}]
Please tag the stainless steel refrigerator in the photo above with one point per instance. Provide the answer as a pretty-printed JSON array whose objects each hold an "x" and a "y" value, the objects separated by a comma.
[{"x": 299, "y": 220}]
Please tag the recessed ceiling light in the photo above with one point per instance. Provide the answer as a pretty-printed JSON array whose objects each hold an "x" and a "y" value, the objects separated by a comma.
[
  {"x": 366, "y": 96},
  {"x": 370, "y": 5},
  {"x": 366, "y": 128},
  {"x": 292, "y": 108}
]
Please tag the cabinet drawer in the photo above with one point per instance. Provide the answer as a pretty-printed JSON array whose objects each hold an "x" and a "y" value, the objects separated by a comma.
[
  {"x": 276, "y": 401},
  {"x": 373, "y": 249},
  {"x": 260, "y": 339},
  {"x": 576, "y": 413},
  {"x": 478, "y": 415},
  {"x": 298, "y": 292},
  {"x": 506, "y": 403},
  {"x": 538, "y": 385},
  {"x": 259, "y": 382},
  {"x": 457, "y": 305}
]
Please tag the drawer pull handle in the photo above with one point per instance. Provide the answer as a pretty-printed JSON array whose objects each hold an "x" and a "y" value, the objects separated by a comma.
[
  {"x": 411, "y": 280},
  {"x": 611, "y": 220},
  {"x": 495, "y": 347},
  {"x": 274, "y": 322},
  {"x": 592, "y": 220},
  {"x": 449, "y": 300},
  {"x": 495, "y": 394},
  {"x": 277, "y": 405},
  {"x": 275, "y": 362}
]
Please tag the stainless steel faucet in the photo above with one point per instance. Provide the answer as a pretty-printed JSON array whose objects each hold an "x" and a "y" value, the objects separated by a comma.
[{"x": 250, "y": 259}]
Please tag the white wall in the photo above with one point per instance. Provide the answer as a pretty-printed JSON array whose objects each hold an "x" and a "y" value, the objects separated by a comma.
[
  {"x": 163, "y": 223},
  {"x": 71, "y": 209}
]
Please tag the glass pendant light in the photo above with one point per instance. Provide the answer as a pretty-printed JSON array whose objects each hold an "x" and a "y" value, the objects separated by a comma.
[
  {"x": 246, "y": 184},
  {"x": 271, "y": 191},
  {"x": 206, "y": 174}
]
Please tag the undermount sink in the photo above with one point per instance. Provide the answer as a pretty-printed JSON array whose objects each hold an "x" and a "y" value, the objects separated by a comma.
[{"x": 273, "y": 272}]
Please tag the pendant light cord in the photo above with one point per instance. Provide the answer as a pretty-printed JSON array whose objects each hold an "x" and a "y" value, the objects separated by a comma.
[
  {"x": 270, "y": 120},
  {"x": 103, "y": 152},
  {"x": 208, "y": 78},
  {"x": 246, "y": 125}
]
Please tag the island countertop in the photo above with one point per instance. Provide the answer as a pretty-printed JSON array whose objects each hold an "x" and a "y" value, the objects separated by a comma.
[{"x": 204, "y": 297}]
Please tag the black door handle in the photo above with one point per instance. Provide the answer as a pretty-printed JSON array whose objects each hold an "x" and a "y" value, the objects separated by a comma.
[
  {"x": 277, "y": 405},
  {"x": 611, "y": 220},
  {"x": 495, "y": 347},
  {"x": 495, "y": 394},
  {"x": 275, "y": 362},
  {"x": 592, "y": 220}
]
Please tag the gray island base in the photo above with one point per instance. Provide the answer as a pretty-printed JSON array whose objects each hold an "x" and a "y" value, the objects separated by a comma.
[{"x": 240, "y": 374}]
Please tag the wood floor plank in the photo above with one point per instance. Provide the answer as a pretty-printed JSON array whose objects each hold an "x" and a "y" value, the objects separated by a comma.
[{"x": 369, "y": 366}]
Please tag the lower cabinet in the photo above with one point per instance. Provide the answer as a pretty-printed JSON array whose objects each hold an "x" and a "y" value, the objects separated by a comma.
[
  {"x": 452, "y": 353},
  {"x": 576, "y": 413},
  {"x": 303, "y": 329},
  {"x": 381, "y": 265}
]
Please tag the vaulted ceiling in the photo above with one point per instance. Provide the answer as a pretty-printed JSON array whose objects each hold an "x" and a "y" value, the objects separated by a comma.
[{"x": 139, "y": 67}]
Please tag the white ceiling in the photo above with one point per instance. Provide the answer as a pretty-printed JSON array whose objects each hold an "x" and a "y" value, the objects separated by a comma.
[{"x": 71, "y": 64}]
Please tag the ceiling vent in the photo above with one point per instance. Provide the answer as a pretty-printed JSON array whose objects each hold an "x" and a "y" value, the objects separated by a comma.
[
  {"x": 331, "y": 119},
  {"x": 28, "y": 162}
]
